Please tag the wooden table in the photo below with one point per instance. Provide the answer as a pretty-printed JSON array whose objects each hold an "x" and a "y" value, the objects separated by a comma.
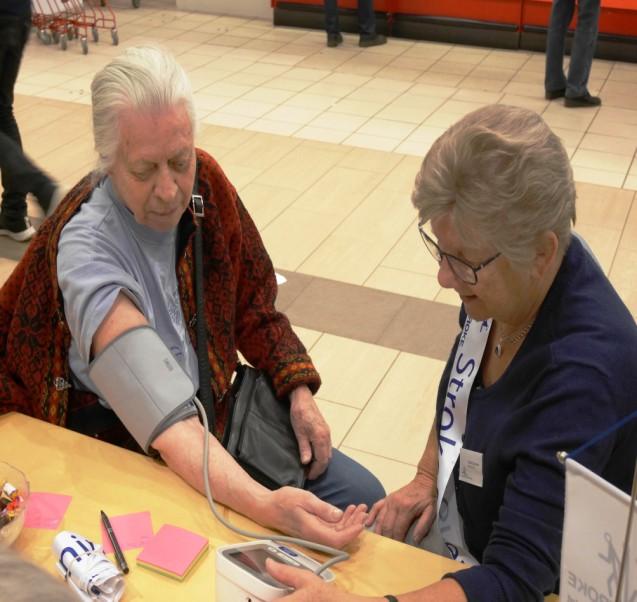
[{"x": 100, "y": 476}]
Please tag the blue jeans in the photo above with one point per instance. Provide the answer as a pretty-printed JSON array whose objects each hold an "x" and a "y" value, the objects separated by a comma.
[
  {"x": 346, "y": 482},
  {"x": 366, "y": 17},
  {"x": 582, "y": 50}
]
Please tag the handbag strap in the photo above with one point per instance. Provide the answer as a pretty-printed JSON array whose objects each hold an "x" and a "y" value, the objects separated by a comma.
[{"x": 205, "y": 377}]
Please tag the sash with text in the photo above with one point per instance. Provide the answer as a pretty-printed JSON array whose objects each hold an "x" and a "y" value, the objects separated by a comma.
[{"x": 466, "y": 363}]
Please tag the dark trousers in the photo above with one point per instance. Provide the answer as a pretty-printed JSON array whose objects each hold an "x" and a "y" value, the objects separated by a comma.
[
  {"x": 366, "y": 17},
  {"x": 19, "y": 175}
]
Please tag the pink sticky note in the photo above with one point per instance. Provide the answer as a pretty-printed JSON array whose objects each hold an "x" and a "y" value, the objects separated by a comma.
[
  {"x": 131, "y": 530},
  {"x": 173, "y": 551},
  {"x": 46, "y": 510}
]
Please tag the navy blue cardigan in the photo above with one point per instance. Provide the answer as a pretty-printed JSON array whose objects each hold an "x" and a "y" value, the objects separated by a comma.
[{"x": 574, "y": 375}]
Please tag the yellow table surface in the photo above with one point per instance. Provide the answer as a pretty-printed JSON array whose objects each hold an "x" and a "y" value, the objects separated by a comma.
[{"x": 100, "y": 476}]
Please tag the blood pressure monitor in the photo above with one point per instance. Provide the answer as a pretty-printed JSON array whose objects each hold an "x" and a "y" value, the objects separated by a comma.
[{"x": 242, "y": 576}]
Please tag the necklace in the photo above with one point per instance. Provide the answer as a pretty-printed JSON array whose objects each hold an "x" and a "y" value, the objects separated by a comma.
[{"x": 512, "y": 338}]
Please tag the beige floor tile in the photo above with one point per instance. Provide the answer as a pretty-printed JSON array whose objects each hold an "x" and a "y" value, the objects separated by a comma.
[
  {"x": 561, "y": 117},
  {"x": 339, "y": 418},
  {"x": 448, "y": 296},
  {"x": 441, "y": 78},
  {"x": 598, "y": 176},
  {"x": 603, "y": 206},
  {"x": 294, "y": 235},
  {"x": 337, "y": 121},
  {"x": 392, "y": 475},
  {"x": 269, "y": 126},
  {"x": 293, "y": 115},
  {"x": 493, "y": 73},
  {"x": 6, "y": 267},
  {"x": 262, "y": 151},
  {"x": 325, "y": 88},
  {"x": 603, "y": 242},
  {"x": 409, "y": 254},
  {"x": 396, "y": 421},
  {"x": 338, "y": 192},
  {"x": 401, "y": 178},
  {"x": 350, "y": 370},
  {"x": 306, "y": 100},
  {"x": 629, "y": 235},
  {"x": 369, "y": 94},
  {"x": 382, "y": 83},
  {"x": 287, "y": 83},
  {"x": 357, "y": 107},
  {"x": 386, "y": 128},
  {"x": 605, "y": 161},
  {"x": 398, "y": 73},
  {"x": 231, "y": 120},
  {"x": 630, "y": 183},
  {"x": 482, "y": 84},
  {"x": 403, "y": 283},
  {"x": 247, "y": 79},
  {"x": 372, "y": 142},
  {"x": 265, "y": 203},
  {"x": 308, "y": 336},
  {"x": 322, "y": 134},
  {"x": 213, "y": 137},
  {"x": 240, "y": 175},
  {"x": 535, "y": 104},
  {"x": 505, "y": 60},
  {"x": 406, "y": 114},
  {"x": 623, "y": 277}
]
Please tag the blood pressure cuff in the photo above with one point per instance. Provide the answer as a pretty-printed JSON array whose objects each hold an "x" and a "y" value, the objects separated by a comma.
[{"x": 142, "y": 382}]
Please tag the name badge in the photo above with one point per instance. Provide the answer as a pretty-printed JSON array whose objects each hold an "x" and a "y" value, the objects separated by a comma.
[{"x": 471, "y": 467}]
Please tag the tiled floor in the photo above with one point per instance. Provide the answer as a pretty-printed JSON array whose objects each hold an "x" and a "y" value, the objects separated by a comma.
[{"x": 323, "y": 145}]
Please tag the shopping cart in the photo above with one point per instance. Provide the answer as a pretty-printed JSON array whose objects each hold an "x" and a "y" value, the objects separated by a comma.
[{"x": 59, "y": 21}]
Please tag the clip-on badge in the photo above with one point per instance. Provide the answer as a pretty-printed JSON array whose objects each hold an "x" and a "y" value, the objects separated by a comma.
[{"x": 197, "y": 205}]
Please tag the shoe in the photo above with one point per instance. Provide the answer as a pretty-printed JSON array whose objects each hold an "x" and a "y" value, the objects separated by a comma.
[
  {"x": 375, "y": 39},
  {"x": 553, "y": 94},
  {"x": 582, "y": 101},
  {"x": 334, "y": 39},
  {"x": 19, "y": 229}
]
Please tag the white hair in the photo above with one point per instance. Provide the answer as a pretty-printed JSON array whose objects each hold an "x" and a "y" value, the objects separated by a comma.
[{"x": 144, "y": 77}]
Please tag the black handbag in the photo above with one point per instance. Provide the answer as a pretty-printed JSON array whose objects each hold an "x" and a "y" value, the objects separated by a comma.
[{"x": 259, "y": 433}]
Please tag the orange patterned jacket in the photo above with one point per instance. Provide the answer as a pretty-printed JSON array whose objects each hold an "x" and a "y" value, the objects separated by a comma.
[{"x": 239, "y": 291}]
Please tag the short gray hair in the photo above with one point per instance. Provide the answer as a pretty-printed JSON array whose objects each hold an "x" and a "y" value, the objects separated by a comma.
[
  {"x": 504, "y": 176},
  {"x": 144, "y": 77}
]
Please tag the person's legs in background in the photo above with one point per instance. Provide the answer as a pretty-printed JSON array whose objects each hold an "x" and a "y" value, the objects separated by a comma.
[
  {"x": 334, "y": 37},
  {"x": 346, "y": 482},
  {"x": 26, "y": 176},
  {"x": 561, "y": 15},
  {"x": 367, "y": 25},
  {"x": 584, "y": 42},
  {"x": 13, "y": 212}
]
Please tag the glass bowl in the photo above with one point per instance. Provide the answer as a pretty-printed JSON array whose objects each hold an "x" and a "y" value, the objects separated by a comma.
[{"x": 14, "y": 496}]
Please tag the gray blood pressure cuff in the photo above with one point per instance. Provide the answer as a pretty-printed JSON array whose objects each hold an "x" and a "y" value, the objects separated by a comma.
[{"x": 142, "y": 382}]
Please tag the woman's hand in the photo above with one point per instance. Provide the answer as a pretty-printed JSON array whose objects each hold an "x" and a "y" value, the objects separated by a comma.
[
  {"x": 308, "y": 587},
  {"x": 394, "y": 515},
  {"x": 300, "y": 513},
  {"x": 311, "y": 430}
]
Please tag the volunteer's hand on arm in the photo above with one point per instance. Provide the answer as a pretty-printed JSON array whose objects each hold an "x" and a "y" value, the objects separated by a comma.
[
  {"x": 310, "y": 588},
  {"x": 312, "y": 432},
  {"x": 416, "y": 501}
]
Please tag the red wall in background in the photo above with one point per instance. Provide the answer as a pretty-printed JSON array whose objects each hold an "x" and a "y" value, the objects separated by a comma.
[{"x": 618, "y": 17}]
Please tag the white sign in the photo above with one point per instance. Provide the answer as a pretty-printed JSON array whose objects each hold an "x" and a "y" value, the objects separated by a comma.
[{"x": 595, "y": 520}]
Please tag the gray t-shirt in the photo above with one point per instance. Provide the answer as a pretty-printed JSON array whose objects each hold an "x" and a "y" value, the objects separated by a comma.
[{"x": 103, "y": 251}]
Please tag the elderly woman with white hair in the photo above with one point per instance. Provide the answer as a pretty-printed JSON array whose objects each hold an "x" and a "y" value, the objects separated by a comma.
[
  {"x": 545, "y": 360},
  {"x": 115, "y": 262}
]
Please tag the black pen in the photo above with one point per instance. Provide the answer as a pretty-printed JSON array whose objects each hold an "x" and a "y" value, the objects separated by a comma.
[{"x": 119, "y": 556}]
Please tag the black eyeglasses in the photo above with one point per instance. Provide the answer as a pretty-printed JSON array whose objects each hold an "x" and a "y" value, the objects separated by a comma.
[{"x": 462, "y": 270}]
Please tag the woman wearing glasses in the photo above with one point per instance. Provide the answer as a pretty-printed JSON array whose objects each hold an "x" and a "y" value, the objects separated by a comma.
[{"x": 545, "y": 360}]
